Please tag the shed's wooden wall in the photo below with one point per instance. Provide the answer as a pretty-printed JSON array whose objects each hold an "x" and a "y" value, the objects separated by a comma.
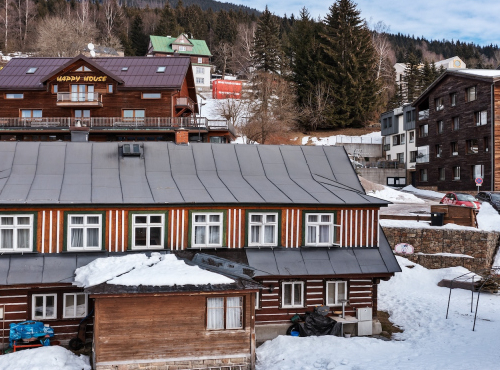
[{"x": 166, "y": 327}]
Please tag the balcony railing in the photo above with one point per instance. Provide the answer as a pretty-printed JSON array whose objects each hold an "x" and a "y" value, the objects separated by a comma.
[
  {"x": 117, "y": 122},
  {"x": 423, "y": 114},
  {"x": 79, "y": 99},
  {"x": 184, "y": 102},
  {"x": 423, "y": 158}
]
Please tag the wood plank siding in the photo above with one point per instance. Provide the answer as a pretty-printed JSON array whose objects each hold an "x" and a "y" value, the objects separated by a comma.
[
  {"x": 358, "y": 227},
  {"x": 173, "y": 328},
  {"x": 496, "y": 141}
]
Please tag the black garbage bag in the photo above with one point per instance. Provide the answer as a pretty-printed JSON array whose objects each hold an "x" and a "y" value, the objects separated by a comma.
[{"x": 316, "y": 323}]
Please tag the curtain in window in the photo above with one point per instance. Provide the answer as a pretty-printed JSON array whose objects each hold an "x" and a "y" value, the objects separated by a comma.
[
  {"x": 23, "y": 238},
  {"x": 92, "y": 238},
  {"x": 324, "y": 233},
  {"x": 331, "y": 293},
  {"x": 7, "y": 221},
  {"x": 215, "y": 313},
  {"x": 269, "y": 234},
  {"x": 76, "y": 238},
  {"x": 199, "y": 234},
  {"x": 255, "y": 234},
  {"x": 49, "y": 306},
  {"x": 214, "y": 235},
  {"x": 233, "y": 313},
  {"x": 81, "y": 307},
  {"x": 7, "y": 239},
  {"x": 342, "y": 294},
  {"x": 69, "y": 309},
  {"x": 311, "y": 234},
  {"x": 287, "y": 296}
]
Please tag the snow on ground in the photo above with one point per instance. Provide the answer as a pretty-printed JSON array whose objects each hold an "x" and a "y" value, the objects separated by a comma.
[
  {"x": 371, "y": 138},
  {"x": 44, "y": 358},
  {"x": 424, "y": 193},
  {"x": 422, "y": 225},
  {"x": 489, "y": 219},
  {"x": 395, "y": 196},
  {"x": 139, "y": 269},
  {"x": 429, "y": 341}
]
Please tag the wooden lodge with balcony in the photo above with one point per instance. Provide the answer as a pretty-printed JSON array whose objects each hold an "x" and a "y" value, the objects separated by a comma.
[{"x": 109, "y": 99}]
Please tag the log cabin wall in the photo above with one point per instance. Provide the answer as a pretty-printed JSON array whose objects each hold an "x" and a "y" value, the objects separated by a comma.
[
  {"x": 357, "y": 227},
  {"x": 135, "y": 329},
  {"x": 496, "y": 141}
]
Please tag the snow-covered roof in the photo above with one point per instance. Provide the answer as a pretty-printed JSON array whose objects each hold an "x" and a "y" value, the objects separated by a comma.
[{"x": 479, "y": 72}]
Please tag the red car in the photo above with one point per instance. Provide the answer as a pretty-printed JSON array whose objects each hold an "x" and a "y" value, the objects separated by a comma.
[{"x": 461, "y": 199}]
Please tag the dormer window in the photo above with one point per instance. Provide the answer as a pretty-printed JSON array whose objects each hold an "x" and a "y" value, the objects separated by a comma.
[
  {"x": 161, "y": 69},
  {"x": 31, "y": 70},
  {"x": 182, "y": 48},
  {"x": 83, "y": 69},
  {"x": 124, "y": 69}
]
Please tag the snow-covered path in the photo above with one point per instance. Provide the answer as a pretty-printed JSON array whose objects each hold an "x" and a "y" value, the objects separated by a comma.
[{"x": 429, "y": 341}]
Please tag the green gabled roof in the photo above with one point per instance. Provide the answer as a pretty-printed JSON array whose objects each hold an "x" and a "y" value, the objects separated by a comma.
[{"x": 162, "y": 44}]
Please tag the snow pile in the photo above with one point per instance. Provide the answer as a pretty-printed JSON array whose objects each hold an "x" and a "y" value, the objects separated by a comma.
[
  {"x": 395, "y": 196},
  {"x": 44, "y": 358},
  {"x": 371, "y": 138},
  {"x": 488, "y": 218},
  {"x": 429, "y": 341},
  {"x": 138, "y": 269},
  {"x": 422, "y": 225},
  {"x": 424, "y": 193}
]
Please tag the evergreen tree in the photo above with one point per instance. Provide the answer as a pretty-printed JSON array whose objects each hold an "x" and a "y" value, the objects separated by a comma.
[
  {"x": 412, "y": 79},
  {"x": 266, "y": 47},
  {"x": 138, "y": 39},
  {"x": 349, "y": 61},
  {"x": 167, "y": 26}
]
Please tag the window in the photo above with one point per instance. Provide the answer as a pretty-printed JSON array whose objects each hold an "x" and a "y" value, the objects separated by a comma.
[
  {"x": 84, "y": 232},
  {"x": 31, "y": 70},
  {"x": 439, "y": 150},
  {"x": 14, "y": 96},
  {"x": 395, "y": 140},
  {"x": 481, "y": 118},
  {"x": 224, "y": 313},
  {"x": 423, "y": 174},
  {"x": 410, "y": 116},
  {"x": 110, "y": 88},
  {"x": 55, "y": 89},
  {"x": 454, "y": 148},
  {"x": 477, "y": 171},
  {"x": 200, "y": 60},
  {"x": 440, "y": 127},
  {"x": 441, "y": 172},
  {"x": 424, "y": 130},
  {"x": 403, "y": 138},
  {"x": 470, "y": 94},
  {"x": 74, "y": 305},
  {"x": 83, "y": 69},
  {"x": 263, "y": 229},
  {"x": 134, "y": 114},
  {"x": 456, "y": 173},
  {"x": 389, "y": 121},
  {"x": 319, "y": 229},
  {"x": 384, "y": 123},
  {"x": 292, "y": 294},
  {"x": 161, "y": 69},
  {"x": 412, "y": 136},
  {"x": 200, "y": 80},
  {"x": 401, "y": 157},
  {"x": 16, "y": 233},
  {"x": 199, "y": 70},
  {"x": 147, "y": 231},
  {"x": 82, "y": 92},
  {"x": 335, "y": 292},
  {"x": 207, "y": 230},
  {"x": 413, "y": 156},
  {"x": 218, "y": 139},
  {"x": 151, "y": 95},
  {"x": 31, "y": 113},
  {"x": 456, "y": 123},
  {"x": 453, "y": 99},
  {"x": 439, "y": 104},
  {"x": 486, "y": 144},
  {"x": 388, "y": 157},
  {"x": 44, "y": 306},
  {"x": 82, "y": 113},
  {"x": 472, "y": 146},
  {"x": 182, "y": 48}
]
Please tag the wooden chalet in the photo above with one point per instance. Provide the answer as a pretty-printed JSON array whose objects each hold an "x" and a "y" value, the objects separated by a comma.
[
  {"x": 295, "y": 219},
  {"x": 102, "y": 99}
]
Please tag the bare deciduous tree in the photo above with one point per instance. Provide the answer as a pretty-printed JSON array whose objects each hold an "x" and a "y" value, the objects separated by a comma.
[
  {"x": 234, "y": 110},
  {"x": 54, "y": 43},
  {"x": 318, "y": 102},
  {"x": 222, "y": 56},
  {"x": 242, "y": 61}
]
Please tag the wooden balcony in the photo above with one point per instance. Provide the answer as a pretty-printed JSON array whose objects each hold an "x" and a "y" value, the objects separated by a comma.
[
  {"x": 184, "y": 105},
  {"x": 77, "y": 99}
]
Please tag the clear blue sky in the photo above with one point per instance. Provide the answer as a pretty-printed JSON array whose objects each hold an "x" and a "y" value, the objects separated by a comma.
[{"x": 467, "y": 20}]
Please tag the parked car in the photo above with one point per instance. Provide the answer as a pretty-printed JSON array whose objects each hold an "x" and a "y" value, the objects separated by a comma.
[
  {"x": 492, "y": 197},
  {"x": 461, "y": 199}
]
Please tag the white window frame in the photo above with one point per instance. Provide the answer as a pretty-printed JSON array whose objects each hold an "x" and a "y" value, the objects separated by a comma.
[
  {"x": 200, "y": 70},
  {"x": 16, "y": 227},
  {"x": 439, "y": 102},
  {"x": 44, "y": 316},
  {"x": 257, "y": 300},
  {"x": 200, "y": 80},
  {"x": 207, "y": 225},
  {"x": 336, "y": 298},
  {"x": 292, "y": 293},
  {"x": 331, "y": 239},
  {"x": 262, "y": 228},
  {"x": 481, "y": 117},
  {"x": 224, "y": 314},
  {"x": 74, "y": 309},
  {"x": 85, "y": 226},
  {"x": 182, "y": 48},
  {"x": 456, "y": 170},
  {"x": 148, "y": 225},
  {"x": 200, "y": 60},
  {"x": 469, "y": 95}
]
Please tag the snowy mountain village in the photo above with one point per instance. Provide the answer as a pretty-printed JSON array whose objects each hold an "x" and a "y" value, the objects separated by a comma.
[{"x": 278, "y": 193}]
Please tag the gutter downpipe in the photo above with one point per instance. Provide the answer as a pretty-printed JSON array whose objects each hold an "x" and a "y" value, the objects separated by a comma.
[{"x": 492, "y": 165}]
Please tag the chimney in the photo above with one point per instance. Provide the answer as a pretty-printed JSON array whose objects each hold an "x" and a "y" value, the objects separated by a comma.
[
  {"x": 79, "y": 134},
  {"x": 181, "y": 136}
]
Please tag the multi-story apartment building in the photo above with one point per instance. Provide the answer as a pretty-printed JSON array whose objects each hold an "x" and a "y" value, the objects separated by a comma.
[{"x": 458, "y": 136}]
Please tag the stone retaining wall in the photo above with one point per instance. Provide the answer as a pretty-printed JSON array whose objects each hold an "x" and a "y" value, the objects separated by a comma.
[{"x": 481, "y": 245}]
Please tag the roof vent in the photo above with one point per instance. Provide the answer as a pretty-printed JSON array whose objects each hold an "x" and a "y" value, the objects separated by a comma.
[{"x": 131, "y": 150}]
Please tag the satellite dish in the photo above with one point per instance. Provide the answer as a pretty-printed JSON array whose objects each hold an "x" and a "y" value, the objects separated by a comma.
[
  {"x": 90, "y": 46},
  {"x": 92, "y": 53}
]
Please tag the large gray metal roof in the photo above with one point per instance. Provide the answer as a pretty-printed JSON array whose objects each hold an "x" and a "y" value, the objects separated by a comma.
[
  {"x": 96, "y": 173},
  {"x": 323, "y": 261}
]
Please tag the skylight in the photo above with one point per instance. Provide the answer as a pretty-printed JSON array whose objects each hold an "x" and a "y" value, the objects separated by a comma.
[
  {"x": 31, "y": 70},
  {"x": 124, "y": 69},
  {"x": 161, "y": 69}
]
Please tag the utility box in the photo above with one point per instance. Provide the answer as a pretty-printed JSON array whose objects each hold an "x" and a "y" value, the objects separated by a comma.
[
  {"x": 364, "y": 316},
  {"x": 225, "y": 89}
]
